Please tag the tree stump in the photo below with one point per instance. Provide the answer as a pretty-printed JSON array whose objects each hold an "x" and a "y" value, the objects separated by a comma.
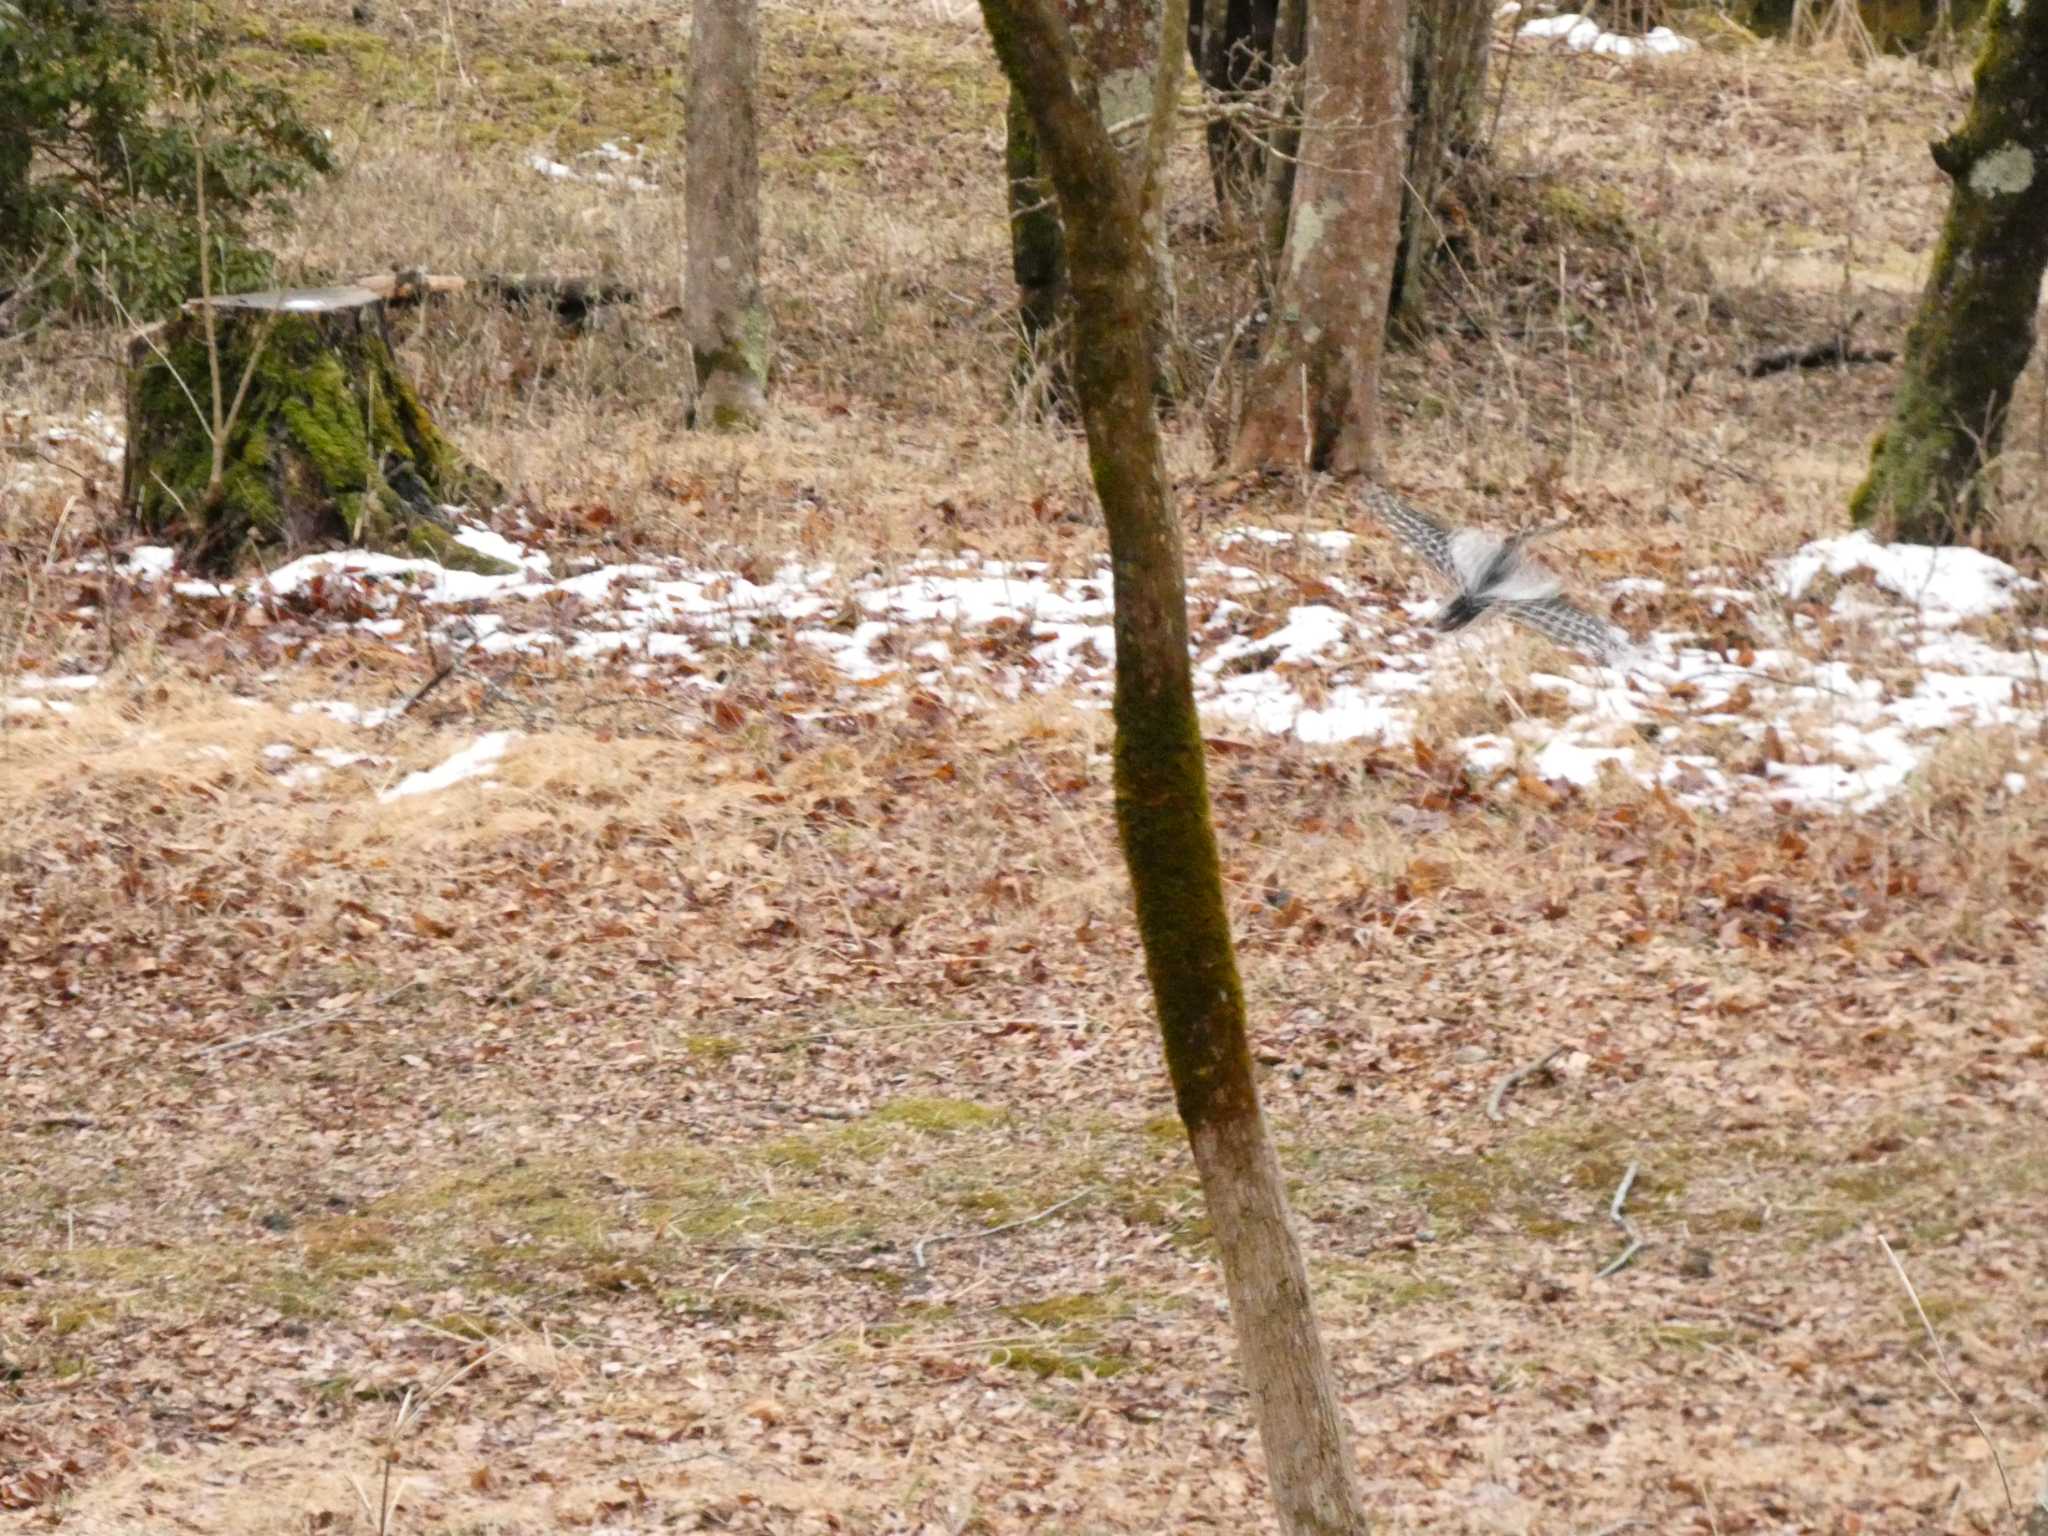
[{"x": 321, "y": 438}]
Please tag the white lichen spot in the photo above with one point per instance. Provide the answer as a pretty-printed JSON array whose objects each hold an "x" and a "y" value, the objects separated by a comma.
[
  {"x": 2006, "y": 170},
  {"x": 1305, "y": 234},
  {"x": 2014, "y": 7},
  {"x": 1126, "y": 97}
]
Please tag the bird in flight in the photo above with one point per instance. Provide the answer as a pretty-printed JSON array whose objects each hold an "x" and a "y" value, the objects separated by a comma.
[{"x": 1495, "y": 575}]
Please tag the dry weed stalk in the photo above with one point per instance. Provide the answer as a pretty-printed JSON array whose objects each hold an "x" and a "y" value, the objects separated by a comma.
[
  {"x": 412, "y": 1408},
  {"x": 1944, "y": 1374}
]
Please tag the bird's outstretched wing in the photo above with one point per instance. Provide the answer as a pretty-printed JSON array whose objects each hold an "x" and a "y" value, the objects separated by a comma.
[
  {"x": 1415, "y": 528},
  {"x": 1565, "y": 623}
]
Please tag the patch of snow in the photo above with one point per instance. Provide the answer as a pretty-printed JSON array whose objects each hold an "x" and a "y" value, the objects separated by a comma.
[
  {"x": 345, "y": 712},
  {"x": 1942, "y": 579},
  {"x": 473, "y": 761},
  {"x": 1582, "y": 34},
  {"x": 495, "y": 546},
  {"x": 150, "y": 560},
  {"x": 67, "y": 682},
  {"x": 554, "y": 170}
]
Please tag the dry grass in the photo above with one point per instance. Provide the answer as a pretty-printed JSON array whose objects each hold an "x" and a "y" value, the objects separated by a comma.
[{"x": 657, "y": 1069}]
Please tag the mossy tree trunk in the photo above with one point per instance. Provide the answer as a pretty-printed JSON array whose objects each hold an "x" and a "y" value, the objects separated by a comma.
[
  {"x": 1313, "y": 398},
  {"x": 1447, "y": 47},
  {"x": 1162, "y": 797},
  {"x": 1975, "y": 326},
  {"x": 1117, "y": 52},
  {"x": 723, "y": 311},
  {"x": 321, "y": 439}
]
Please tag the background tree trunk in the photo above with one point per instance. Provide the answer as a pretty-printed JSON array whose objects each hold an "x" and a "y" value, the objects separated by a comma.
[
  {"x": 1162, "y": 793},
  {"x": 1447, "y": 47},
  {"x": 1232, "y": 45},
  {"x": 1312, "y": 399},
  {"x": 325, "y": 443},
  {"x": 16, "y": 154},
  {"x": 1038, "y": 261},
  {"x": 1975, "y": 326},
  {"x": 723, "y": 313},
  {"x": 1290, "y": 53},
  {"x": 1117, "y": 51}
]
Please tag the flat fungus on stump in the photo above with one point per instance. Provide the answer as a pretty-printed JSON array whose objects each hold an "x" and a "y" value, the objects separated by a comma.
[{"x": 324, "y": 440}]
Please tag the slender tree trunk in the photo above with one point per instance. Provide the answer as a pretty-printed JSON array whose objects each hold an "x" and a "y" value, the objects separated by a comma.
[
  {"x": 1231, "y": 44},
  {"x": 1038, "y": 261},
  {"x": 1975, "y": 326},
  {"x": 1447, "y": 45},
  {"x": 15, "y": 156},
  {"x": 1117, "y": 49},
  {"x": 1290, "y": 53},
  {"x": 723, "y": 312},
  {"x": 1311, "y": 400},
  {"x": 1162, "y": 793}
]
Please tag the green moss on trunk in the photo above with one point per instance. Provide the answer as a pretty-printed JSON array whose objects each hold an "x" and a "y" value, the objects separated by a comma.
[
  {"x": 1162, "y": 796},
  {"x": 330, "y": 444},
  {"x": 1975, "y": 326},
  {"x": 733, "y": 376}
]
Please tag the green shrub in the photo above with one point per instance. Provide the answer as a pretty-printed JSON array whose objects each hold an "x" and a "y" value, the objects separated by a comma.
[{"x": 107, "y": 110}]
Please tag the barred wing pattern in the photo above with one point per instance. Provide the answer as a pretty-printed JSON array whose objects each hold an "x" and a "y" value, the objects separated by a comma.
[
  {"x": 1564, "y": 623},
  {"x": 1515, "y": 584},
  {"x": 1415, "y": 528}
]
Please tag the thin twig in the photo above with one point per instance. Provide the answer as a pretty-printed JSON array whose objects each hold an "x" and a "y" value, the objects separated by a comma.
[
  {"x": 291, "y": 1029},
  {"x": 1507, "y": 1084},
  {"x": 456, "y": 657},
  {"x": 917, "y": 1249},
  {"x": 1619, "y": 1262},
  {"x": 1946, "y": 1376}
]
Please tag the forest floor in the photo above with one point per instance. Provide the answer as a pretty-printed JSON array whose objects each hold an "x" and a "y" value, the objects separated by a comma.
[{"x": 690, "y": 1068}]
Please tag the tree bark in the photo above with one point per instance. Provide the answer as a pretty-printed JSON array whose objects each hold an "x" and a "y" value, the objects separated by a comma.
[
  {"x": 1447, "y": 47},
  {"x": 1038, "y": 262},
  {"x": 1312, "y": 398},
  {"x": 1975, "y": 325},
  {"x": 723, "y": 313},
  {"x": 1162, "y": 795},
  {"x": 1232, "y": 45},
  {"x": 1117, "y": 49},
  {"x": 1290, "y": 53},
  {"x": 321, "y": 437},
  {"x": 16, "y": 155}
]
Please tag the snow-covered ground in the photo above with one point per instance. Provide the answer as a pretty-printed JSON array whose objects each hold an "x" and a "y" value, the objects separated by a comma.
[
  {"x": 1582, "y": 34},
  {"x": 1320, "y": 655}
]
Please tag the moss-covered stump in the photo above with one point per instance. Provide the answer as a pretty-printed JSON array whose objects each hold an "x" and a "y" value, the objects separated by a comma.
[{"x": 322, "y": 438}]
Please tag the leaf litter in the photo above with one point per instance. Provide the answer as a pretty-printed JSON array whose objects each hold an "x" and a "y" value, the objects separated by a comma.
[{"x": 637, "y": 1086}]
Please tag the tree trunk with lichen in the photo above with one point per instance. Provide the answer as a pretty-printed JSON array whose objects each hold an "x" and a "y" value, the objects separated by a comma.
[
  {"x": 1117, "y": 46},
  {"x": 723, "y": 311},
  {"x": 1312, "y": 402},
  {"x": 1975, "y": 326},
  {"x": 1162, "y": 797},
  {"x": 321, "y": 437}
]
